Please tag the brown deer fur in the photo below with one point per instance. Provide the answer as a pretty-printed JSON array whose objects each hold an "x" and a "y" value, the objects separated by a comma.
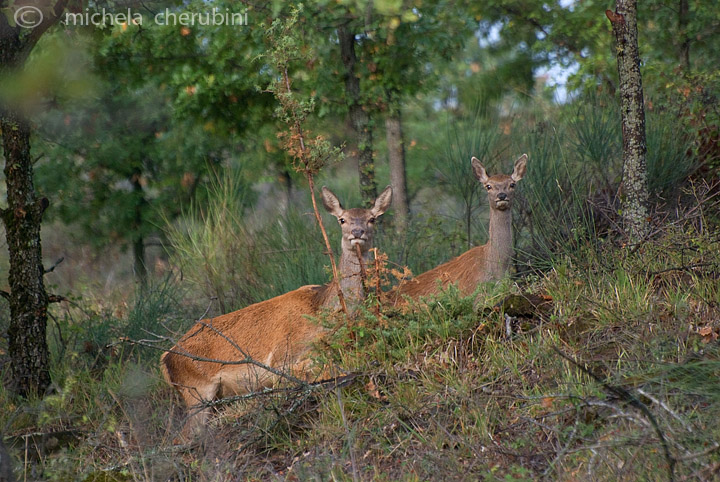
[
  {"x": 482, "y": 263},
  {"x": 211, "y": 359}
]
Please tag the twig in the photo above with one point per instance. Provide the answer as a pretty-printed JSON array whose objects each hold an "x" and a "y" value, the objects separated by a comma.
[
  {"x": 696, "y": 455},
  {"x": 311, "y": 183},
  {"x": 667, "y": 409},
  {"x": 54, "y": 265},
  {"x": 247, "y": 360},
  {"x": 363, "y": 271},
  {"x": 348, "y": 434},
  {"x": 688, "y": 268},
  {"x": 624, "y": 394},
  {"x": 333, "y": 265},
  {"x": 564, "y": 450}
]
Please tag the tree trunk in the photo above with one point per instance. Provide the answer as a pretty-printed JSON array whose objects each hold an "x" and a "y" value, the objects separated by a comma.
[
  {"x": 683, "y": 13},
  {"x": 139, "y": 265},
  {"x": 398, "y": 177},
  {"x": 6, "y": 463},
  {"x": 28, "y": 299},
  {"x": 634, "y": 184},
  {"x": 359, "y": 118}
]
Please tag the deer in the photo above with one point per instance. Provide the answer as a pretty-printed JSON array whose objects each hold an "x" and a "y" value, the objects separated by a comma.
[
  {"x": 489, "y": 262},
  {"x": 251, "y": 348}
]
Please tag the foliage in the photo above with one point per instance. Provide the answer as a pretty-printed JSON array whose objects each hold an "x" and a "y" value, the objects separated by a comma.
[
  {"x": 120, "y": 161},
  {"x": 451, "y": 387}
]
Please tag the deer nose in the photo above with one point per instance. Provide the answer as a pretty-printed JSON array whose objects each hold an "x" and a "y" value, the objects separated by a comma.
[
  {"x": 502, "y": 196},
  {"x": 357, "y": 233}
]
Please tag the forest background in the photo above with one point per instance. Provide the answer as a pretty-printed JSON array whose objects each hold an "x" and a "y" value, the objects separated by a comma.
[{"x": 158, "y": 157}]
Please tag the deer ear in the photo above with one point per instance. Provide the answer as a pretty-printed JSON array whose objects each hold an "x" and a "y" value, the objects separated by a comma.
[
  {"x": 331, "y": 202},
  {"x": 479, "y": 170},
  {"x": 520, "y": 166},
  {"x": 382, "y": 203}
]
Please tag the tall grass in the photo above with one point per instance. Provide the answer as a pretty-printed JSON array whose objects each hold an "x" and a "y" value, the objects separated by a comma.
[
  {"x": 570, "y": 197},
  {"x": 669, "y": 155},
  {"x": 224, "y": 254},
  {"x": 477, "y": 137},
  {"x": 551, "y": 210}
]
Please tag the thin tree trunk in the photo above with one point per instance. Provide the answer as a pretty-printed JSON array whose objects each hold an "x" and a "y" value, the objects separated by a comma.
[
  {"x": 286, "y": 183},
  {"x": 634, "y": 184},
  {"x": 684, "y": 11},
  {"x": 396, "y": 157},
  {"x": 359, "y": 118},
  {"x": 28, "y": 300},
  {"x": 138, "y": 243}
]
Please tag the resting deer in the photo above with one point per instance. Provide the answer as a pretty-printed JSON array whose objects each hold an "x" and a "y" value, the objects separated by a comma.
[
  {"x": 217, "y": 357},
  {"x": 482, "y": 263}
]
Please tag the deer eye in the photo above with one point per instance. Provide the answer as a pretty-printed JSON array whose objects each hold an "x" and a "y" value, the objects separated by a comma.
[
  {"x": 342, "y": 220},
  {"x": 371, "y": 220},
  {"x": 512, "y": 185},
  {"x": 488, "y": 187}
]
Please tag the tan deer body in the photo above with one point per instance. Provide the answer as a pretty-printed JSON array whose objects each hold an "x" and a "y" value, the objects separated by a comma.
[
  {"x": 488, "y": 262},
  {"x": 276, "y": 333}
]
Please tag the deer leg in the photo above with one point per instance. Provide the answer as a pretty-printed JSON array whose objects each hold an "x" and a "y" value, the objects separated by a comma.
[{"x": 195, "y": 399}]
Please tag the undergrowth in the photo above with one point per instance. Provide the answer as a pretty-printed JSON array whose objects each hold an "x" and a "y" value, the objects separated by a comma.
[
  {"x": 608, "y": 372},
  {"x": 599, "y": 361}
]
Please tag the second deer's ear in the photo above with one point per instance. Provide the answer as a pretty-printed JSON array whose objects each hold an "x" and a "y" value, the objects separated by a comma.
[
  {"x": 331, "y": 202},
  {"x": 382, "y": 203},
  {"x": 479, "y": 170},
  {"x": 520, "y": 166}
]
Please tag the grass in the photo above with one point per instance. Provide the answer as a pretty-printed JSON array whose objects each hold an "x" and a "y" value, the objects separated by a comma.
[{"x": 440, "y": 391}]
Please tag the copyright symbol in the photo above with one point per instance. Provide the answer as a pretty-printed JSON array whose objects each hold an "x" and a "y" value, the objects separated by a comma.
[{"x": 28, "y": 16}]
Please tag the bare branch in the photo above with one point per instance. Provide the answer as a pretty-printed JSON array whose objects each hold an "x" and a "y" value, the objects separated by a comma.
[
  {"x": 55, "y": 265},
  {"x": 625, "y": 395},
  {"x": 49, "y": 19},
  {"x": 677, "y": 417},
  {"x": 697, "y": 455},
  {"x": 56, "y": 298},
  {"x": 246, "y": 360}
]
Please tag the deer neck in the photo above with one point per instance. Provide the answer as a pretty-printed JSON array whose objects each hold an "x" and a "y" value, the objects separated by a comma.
[
  {"x": 500, "y": 244},
  {"x": 351, "y": 279},
  {"x": 350, "y": 282}
]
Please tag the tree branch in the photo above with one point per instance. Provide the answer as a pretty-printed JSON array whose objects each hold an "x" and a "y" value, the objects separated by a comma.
[
  {"x": 246, "y": 360},
  {"x": 55, "y": 264},
  {"x": 625, "y": 395},
  {"x": 49, "y": 19},
  {"x": 56, "y": 298}
]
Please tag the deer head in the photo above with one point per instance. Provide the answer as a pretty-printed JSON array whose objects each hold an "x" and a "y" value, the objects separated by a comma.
[
  {"x": 357, "y": 224},
  {"x": 500, "y": 188}
]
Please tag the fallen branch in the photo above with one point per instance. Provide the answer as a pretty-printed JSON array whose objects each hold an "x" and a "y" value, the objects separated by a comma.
[{"x": 628, "y": 397}]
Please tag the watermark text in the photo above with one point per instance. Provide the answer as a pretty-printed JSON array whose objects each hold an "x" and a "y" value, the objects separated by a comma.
[{"x": 30, "y": 17}]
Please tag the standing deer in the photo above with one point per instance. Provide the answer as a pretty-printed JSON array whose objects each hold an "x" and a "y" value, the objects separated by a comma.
[
  {"x": 482, "y": 263},
  {"x": 250, "y": 348}
]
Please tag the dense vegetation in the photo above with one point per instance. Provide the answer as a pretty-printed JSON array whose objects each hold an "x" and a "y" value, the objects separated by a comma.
[{"x": 176, "y": 190}]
